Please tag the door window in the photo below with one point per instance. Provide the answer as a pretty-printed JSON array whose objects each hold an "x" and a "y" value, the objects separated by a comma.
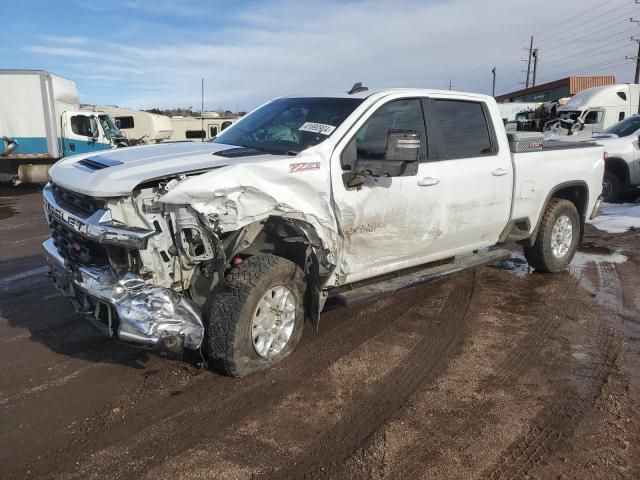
[
  {"x": 592, "y": 117},
  {"x": 226, "y": 125},
  {"x": 371, "y": 139},
  {"x": 213, "y": 131},
  {"x": 621, "y": 116},
  {"x": 464, "y": 128},
  {"x": 81, "y": 125}
]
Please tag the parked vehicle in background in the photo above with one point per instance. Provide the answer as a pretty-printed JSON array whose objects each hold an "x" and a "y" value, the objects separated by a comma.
[
  {"x": 229, "y": 246},
  {"x": 138, "y": 126},
  {"x": 621, "y": 143},
  {"x": 42, "y": 122},
  {"x": 199, "y": 128},
  {"x": 594, "y": 110}
]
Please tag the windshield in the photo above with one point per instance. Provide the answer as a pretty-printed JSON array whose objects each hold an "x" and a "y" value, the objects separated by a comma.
[
  {"x": 110, "y": 129},
  {"x": 569, "y": 115},
  {"x": 289, "y": 124},
  {"x": 625, "y": 127}
]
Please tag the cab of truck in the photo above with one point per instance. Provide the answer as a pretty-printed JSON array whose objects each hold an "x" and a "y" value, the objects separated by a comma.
[
  {"x": 86, "y": 132},
  {"x": 595, "y": 109}
]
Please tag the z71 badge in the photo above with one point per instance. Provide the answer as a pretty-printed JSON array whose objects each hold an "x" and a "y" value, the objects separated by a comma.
[{"x": 302, "y": 167}]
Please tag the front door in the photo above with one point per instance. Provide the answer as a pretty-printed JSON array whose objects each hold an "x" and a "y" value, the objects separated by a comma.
[
  {"x": 81, "y": 133},
  {"x": 389, "y": 223}
]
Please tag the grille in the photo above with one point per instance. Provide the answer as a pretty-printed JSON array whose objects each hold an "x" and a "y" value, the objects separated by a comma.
[
  {"x": 76, "y": 202},
  {"x": 76, "y": 249}
]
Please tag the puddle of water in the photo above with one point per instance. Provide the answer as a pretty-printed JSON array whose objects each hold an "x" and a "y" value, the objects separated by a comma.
[
  {"x": 7, "y": 210},
  {"x": 517, "y": 265}
]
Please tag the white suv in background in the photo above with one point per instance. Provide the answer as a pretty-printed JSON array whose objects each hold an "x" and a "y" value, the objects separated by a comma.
[{"x": 622, "y": 146}]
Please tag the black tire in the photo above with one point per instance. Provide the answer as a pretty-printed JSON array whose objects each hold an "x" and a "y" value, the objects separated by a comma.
[
  {"x": 229, "y": 312},
  {"x": 540, "y": 256},
  {"x": 611, "y": 187}
]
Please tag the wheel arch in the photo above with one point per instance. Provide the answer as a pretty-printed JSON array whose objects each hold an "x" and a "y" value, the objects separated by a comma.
[
  {"x": 297, "y": 241},
  {"x": 620, "y": 168},
  {"x": 577, "y": 192}
]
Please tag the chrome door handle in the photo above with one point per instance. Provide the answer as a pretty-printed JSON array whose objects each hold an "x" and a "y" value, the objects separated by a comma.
[
  {"x": 428, "y": 181},
  {"x": 498, "y": 172}
]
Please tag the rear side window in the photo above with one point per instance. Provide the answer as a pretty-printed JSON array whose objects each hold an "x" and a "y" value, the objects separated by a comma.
[
  {"x": 464, "y": 128},
  {"x": 195, "y": 134}
]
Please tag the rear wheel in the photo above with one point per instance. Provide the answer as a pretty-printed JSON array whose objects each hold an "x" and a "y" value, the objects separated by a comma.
[
  {"x": 257, "y": 318},
  {"x": 557, "y": 239},
  {"x": 611, "y": 187}
]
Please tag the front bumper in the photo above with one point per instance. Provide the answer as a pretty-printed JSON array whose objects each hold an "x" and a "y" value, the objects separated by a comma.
[{"x": 127, "y": 307}]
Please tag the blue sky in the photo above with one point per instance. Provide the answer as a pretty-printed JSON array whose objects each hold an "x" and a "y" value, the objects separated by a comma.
[{"x": 143, "y": 54}]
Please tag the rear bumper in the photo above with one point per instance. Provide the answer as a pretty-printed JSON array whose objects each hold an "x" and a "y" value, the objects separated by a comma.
[{"x": 126, "y": 307}]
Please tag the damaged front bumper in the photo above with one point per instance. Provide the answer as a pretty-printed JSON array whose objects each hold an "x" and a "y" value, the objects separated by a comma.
[{"x": 126, "y": 306}]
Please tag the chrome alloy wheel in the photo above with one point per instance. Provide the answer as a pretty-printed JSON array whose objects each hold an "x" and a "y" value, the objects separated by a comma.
[
  {"x": 273, "y": 321},
  {"x": 561, "y": 236}
]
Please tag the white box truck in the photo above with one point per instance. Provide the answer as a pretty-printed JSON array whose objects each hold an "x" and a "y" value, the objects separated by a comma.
[{"x": 41, "y": 122}]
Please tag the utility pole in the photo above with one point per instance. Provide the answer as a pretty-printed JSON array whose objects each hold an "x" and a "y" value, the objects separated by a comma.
[
  {"x": 493, "y": 86},
  {"x": 535, "y": 66},
  {"x": 450, "y": 85},
  {"x": 202, "y": 110},
  {"x": 637, "y": 57},
  {"x": 529, "y": 62}
]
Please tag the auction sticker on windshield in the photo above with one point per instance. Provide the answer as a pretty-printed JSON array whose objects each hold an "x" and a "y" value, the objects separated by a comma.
[{"x": 320, "y": 128}]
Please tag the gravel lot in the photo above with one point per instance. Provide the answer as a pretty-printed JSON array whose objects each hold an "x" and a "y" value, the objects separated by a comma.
[{"x": 492, "y": 373}]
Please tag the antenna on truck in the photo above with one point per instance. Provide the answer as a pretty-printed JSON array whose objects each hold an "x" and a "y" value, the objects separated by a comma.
[{"x": 357, "y": 88}]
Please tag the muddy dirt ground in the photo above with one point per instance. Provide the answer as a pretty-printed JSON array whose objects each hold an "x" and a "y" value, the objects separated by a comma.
[{"x": 489, "y": 374}]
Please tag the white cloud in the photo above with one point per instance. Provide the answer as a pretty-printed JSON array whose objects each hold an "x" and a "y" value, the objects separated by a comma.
[{"x": 275, "y": 48}]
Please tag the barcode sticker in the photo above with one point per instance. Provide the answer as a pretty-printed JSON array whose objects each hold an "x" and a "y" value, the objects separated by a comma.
[{"x": 320, "y": 128}]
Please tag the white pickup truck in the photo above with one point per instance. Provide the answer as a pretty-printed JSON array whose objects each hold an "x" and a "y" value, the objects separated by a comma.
[
  {"x": 621, "y": 143},
  {"x": 228, "y": 247}
]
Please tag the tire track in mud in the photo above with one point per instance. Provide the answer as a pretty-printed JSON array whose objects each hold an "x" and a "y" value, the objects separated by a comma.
[
  {"x": 222, "y": 401},
  {"x": 413, "y": 458},
  {"x": 552, "y": 429},
  {"x": 515, "y": 364},
  {"x": 424, "y": 363}
]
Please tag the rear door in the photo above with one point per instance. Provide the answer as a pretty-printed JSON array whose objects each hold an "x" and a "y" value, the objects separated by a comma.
[
  {"x": 80, "y": 133},
  {"x": 475, "y": 177}
]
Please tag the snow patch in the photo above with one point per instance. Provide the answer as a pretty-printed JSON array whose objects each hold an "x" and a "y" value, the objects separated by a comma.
[{"x": 617, "y": 218}]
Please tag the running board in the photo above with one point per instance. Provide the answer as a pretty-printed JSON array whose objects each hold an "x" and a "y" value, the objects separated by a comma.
[{"x": 370, "y": 292}]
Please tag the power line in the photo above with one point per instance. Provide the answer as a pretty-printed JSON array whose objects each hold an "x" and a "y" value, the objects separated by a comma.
[
  {"x": 574, "y": 17},
  {"x": 602, "y": 20}
]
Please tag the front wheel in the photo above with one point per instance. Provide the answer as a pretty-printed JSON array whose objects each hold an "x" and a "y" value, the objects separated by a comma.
[
  {"x": 557, "y": 239},
  {"x": 256, "y": 319}
]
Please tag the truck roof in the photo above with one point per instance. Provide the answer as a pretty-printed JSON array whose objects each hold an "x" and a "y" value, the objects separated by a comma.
[
  {"x": 13, "y": 71},
  {"x": 381, "y": 92}
]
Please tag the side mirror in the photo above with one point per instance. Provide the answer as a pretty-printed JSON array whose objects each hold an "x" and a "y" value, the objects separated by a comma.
[
  {"x": 95, "y": 133},
  {"x": 402, "y": 154}
]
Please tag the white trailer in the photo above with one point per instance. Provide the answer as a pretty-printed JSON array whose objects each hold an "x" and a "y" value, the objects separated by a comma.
[
  {"x": 139, "y": 127},
  {"x": 41, "y": 122},
  {"x": 595, "y": 109},
  {"x": 199, "y": 128}
]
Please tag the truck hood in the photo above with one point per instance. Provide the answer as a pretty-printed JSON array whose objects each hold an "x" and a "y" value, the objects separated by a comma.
[{"x": 112, "y": 173}]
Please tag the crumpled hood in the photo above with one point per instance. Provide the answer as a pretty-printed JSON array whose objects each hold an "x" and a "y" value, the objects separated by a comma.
[{"x": 117, "y": 172}]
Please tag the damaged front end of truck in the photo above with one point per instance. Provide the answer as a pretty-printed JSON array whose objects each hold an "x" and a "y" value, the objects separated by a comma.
[{"x": 141, "y": 266}]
